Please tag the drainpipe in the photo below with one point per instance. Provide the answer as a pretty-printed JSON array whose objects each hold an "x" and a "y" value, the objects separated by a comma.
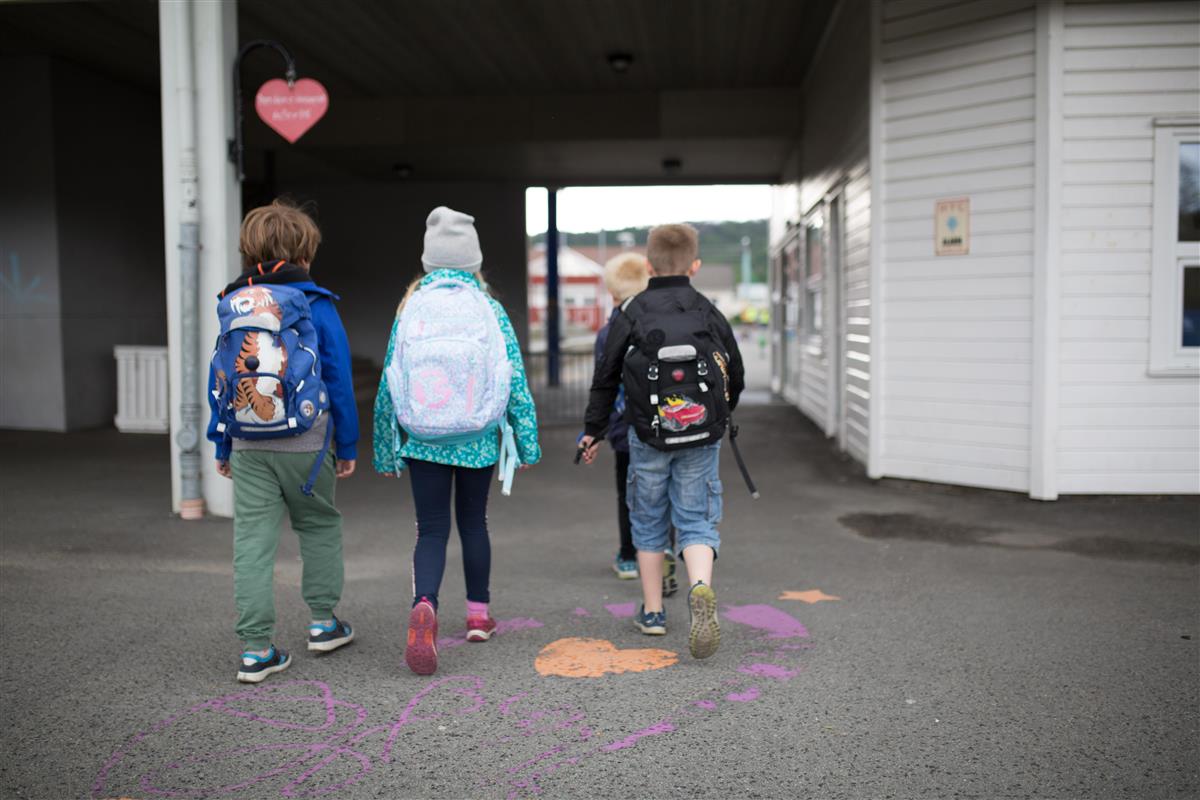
[{"x": 191, "y": 506}]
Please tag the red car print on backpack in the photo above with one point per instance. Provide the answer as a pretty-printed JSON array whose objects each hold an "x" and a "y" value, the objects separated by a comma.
[{"x": 679, "y": 411}]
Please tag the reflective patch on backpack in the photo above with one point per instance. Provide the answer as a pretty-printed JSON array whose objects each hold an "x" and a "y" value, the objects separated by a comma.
[
  {"x": 693, "y": 437},
  {"x": 722, "y": 365},
  {"x": 679, "y": 412}
]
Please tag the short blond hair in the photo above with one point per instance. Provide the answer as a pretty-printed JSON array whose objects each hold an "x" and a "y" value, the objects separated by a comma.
[
  {"x": 626, "y": 275},
  {"x": 672, "y": 249},
  {"x": 278, "y": 231}
]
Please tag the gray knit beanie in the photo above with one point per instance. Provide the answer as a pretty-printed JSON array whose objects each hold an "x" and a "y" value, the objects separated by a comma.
[{"x": 451, "y": 241}]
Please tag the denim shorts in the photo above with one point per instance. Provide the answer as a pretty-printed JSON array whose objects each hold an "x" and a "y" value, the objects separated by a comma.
[{"x": 681, "y": 487}]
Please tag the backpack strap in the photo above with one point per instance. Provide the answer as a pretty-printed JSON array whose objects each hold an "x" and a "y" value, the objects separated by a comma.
[
  {"x": 652, "y": 376},
  {"x": 307, "y": 488}
]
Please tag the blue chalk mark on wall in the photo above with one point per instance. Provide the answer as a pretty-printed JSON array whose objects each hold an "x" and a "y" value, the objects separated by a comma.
[{"x": 14, "y": 288}]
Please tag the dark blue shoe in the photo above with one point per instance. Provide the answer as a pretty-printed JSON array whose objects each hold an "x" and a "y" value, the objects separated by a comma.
[
  {"x": 331, "y": 636},
  {"x": 255, "y": 668},
  {"x": 652, "y": 623}
]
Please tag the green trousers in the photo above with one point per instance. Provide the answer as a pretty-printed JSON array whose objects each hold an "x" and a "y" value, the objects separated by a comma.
[{"x": 264, "y": 484}]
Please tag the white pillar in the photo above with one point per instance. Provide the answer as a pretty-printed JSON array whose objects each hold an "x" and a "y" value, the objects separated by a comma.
[
  {"x": 213, "y": 45},
  {"x": 1047, "y": 206}
]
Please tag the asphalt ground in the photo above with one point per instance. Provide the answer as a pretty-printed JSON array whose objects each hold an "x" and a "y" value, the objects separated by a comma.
[{"x": 980, "y": 645}]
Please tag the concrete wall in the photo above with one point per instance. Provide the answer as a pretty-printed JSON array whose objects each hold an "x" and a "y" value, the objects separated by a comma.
[
  {"x": 31, "y": 366},
  {"x": 108, "y": 188},
  {"x": 372, "y": 237},
  {"x": 80, "y": 241}
]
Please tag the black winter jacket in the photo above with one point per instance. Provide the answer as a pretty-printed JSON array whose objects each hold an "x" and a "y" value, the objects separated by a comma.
[{"x": 671, "y": 291}]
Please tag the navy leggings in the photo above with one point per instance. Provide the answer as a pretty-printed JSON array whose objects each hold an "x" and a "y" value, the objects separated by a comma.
[{"x": 431, "y": 485}]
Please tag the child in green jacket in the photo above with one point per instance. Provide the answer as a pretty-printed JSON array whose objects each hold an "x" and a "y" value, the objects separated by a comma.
[{"x": 451, "y": 253}]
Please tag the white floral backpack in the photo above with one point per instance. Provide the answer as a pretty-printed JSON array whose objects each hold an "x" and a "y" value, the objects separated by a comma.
[{"x": 449, "y": 375}]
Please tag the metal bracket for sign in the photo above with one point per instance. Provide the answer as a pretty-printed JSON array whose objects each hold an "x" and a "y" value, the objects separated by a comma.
[{"x": 236, "y": 145}]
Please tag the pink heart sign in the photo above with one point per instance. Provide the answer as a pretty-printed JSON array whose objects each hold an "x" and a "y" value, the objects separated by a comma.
[{"x": 291, "y": 111}]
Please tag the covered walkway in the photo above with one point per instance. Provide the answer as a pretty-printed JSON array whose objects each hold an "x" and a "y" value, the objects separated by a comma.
[{"x": 881, "y": 640}]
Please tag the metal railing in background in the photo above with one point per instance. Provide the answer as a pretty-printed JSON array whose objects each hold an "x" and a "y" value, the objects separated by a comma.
[{"x": 563, "y": 404}]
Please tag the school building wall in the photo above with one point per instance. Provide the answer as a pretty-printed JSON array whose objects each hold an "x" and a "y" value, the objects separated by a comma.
[
  {"x": 1122, "y": 66},
  {"x": 81, "y": 272},
  {"x": 957, "y": 114},
  {"x": 1025, "y": 364},
  {"x": 829, "y": 376},
  {"x": 835, "y": 158}
]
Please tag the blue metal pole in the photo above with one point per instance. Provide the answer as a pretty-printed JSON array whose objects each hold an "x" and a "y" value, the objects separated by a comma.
[{"x": 552, "y": 323}]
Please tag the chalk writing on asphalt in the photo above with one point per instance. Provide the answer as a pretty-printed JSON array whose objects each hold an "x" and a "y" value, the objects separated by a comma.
[{"x": 341, "y": 747}]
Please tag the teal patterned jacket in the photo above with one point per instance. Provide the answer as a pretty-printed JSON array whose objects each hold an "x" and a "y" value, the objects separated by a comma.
[{"x": 392, "y": 445}]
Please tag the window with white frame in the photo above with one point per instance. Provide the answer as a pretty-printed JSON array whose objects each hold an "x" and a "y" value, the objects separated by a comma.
[
  {"x": 814, "y": 279},
  {"x": 1175, "y": 287}
]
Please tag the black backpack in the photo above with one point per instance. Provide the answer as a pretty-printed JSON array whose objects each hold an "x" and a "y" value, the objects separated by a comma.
[{"x": 676, "y": 374}]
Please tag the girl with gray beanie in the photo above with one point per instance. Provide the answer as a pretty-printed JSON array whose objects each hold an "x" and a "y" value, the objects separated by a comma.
[{"x": 455, "y": 381}]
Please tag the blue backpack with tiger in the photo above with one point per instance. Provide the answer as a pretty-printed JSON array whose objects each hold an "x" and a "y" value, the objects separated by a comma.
[{"x": 267, "y": 369}]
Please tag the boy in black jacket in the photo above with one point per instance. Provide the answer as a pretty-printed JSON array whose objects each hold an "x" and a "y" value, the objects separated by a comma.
[{"x": 683, "y": 374}]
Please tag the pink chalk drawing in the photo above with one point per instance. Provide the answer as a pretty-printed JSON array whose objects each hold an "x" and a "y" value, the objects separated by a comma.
[
  {"x": 632, "y": 739},
  {"x": 581, "y": 612},
  {"x": 290, "y": 700},
  {"x": 747, "y": 696},
  {"x": 304, "y": 742},
  {"x": 777, "y": 624},
  {"x": 769, "y": 671},
  {"x": 621, "y": 610},
  {"x": 503, "y": 626}
]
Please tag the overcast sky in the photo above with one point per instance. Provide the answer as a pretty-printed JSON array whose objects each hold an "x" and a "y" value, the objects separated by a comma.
[{"x": 591, "y": 208}]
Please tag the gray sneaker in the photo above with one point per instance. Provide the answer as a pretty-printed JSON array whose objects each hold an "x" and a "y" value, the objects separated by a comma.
[{"x": 705, "y": 635}]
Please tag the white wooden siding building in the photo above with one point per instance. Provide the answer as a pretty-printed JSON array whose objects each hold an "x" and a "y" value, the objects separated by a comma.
[{"x": 1059, "y": 353}]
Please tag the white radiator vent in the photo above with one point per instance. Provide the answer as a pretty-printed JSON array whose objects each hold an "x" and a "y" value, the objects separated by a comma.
[{"x": 141, "y": 389}]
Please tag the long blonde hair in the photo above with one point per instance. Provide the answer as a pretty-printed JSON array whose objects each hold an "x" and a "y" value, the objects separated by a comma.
[{"x": 416, "y": 282}]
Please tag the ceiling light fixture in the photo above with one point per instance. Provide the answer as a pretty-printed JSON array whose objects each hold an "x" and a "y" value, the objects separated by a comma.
[{"x": 620, "y": 62}]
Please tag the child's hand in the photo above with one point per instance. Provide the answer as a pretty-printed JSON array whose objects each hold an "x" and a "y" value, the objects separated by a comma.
[
  {"x": 590, "y": 445},
  {"x": 223, "y": 469},
  {"x": 345, "y": 467}
]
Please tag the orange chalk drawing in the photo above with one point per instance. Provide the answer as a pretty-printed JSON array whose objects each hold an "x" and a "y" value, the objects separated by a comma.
[
  {"x": 577, "y": 657},
  {"x": 808, "y": 596}
]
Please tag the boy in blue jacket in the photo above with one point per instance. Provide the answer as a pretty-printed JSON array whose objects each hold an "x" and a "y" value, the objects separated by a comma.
[{"x": 278, "y": 243}]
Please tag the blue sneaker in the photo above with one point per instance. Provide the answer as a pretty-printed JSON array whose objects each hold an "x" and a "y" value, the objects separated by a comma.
[
  {"x": 255, "y": 668},
  {"x": 625, "y": 568},
  {"x": 329, "y": 636},
  {"x": 652, "y": 623}
]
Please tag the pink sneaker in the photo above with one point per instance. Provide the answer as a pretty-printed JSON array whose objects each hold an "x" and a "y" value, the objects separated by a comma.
[
  {"x": 480, "y": 629},
  {"x": 421, "y": 652}
]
